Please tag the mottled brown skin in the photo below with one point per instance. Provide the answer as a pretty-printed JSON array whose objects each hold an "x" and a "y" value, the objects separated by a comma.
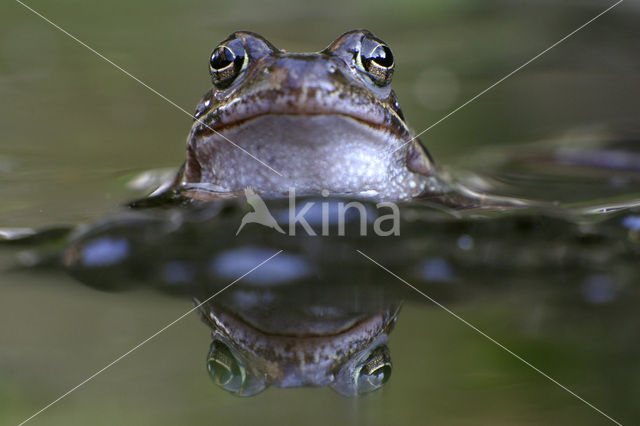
[{"x": 319, "y": 119}]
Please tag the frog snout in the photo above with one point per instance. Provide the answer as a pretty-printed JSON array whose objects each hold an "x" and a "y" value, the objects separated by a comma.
[{"x": 302, "y": 72}]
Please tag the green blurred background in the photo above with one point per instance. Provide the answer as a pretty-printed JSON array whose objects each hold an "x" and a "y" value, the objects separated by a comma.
[
  {"x": 71, "y": 123},
  {"x": 73, "y": 129}
]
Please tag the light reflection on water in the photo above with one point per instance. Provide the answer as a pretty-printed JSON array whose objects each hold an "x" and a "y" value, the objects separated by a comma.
[{"x": 283, "y": 269}]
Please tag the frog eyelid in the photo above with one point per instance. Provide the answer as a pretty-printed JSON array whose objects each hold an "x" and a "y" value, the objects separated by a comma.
[{"x": 370, "y": 57}]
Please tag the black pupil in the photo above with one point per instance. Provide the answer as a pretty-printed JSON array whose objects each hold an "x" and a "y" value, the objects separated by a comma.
[
  {"x": 382, "y": 56},
  {"x": 222, "y": 58}
]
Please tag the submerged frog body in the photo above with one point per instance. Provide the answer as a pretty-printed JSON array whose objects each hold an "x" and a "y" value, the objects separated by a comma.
[{"x": 315, "y": 121}]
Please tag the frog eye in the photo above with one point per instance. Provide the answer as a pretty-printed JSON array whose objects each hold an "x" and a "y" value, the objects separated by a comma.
[
  {"x": 375, "y": 371},
  {"x": 229, "y": 371},
  {"x": 375, "y": 58},
  {"x": 227, "y": 62}
]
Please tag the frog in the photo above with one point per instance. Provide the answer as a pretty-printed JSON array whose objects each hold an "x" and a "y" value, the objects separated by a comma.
[{"x": 312, "y": 122}]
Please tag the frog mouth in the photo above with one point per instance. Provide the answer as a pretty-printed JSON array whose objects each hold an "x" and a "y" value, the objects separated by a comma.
[
  {"x": 359, "y": 106},
  {"x": 398, "y": 131}
]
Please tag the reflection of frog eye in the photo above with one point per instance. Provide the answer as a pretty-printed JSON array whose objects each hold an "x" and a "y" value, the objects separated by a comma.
[
  {"x": 230, "y": 372},
  {"x": 224, "y": 368},
  {"x": 366, "y": 371},
  {"x": 375, "y": 371},
  {"x": 227, "y": 61},
  {"x": 375, "y": 58}
]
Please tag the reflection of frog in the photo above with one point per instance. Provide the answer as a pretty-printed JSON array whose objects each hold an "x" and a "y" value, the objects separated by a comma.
[
  {"x": 326, "y": 120},
  {"x": 306, "y": 335},
  {"x": 291, "y": 323}
]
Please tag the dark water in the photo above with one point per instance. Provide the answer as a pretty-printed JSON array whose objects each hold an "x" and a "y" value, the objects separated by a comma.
[{"x": 556, "y": 285}]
